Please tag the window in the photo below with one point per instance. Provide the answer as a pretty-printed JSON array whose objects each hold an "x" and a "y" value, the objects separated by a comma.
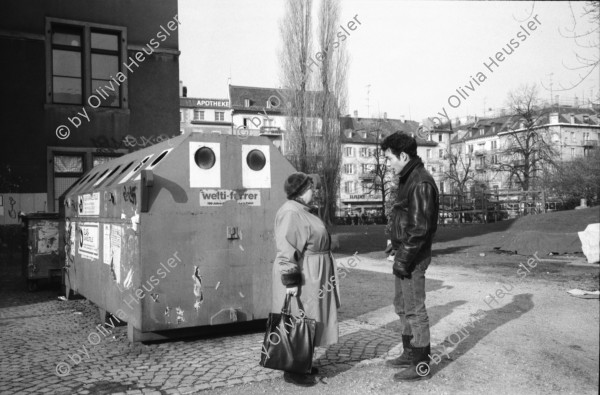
[
  {"x": 572, "y": 136},
  {"x": 349, "y": 168},
  {"x": 181, "y": 116},
  {"x": 101, "y": 159},
  {"x": 349, "y": 187},
  {"x": 440, "y": 154},
  {"x": 67, "y": 170},
  {"x": 349, "y": 151},
  {"x": 364, "y": 152},
  {"x": 494, "y": 159},
  {"x": 470, "y": 148},
  {"x": 86, "y": 63},
  {"x": 198, "y": 115},
  {"x": 494, "y": 145},
  {"x": 246, "y": 102},
  {"x": 364, "y": 135},
  {"x": 105, "y": 63},
  {"x": 428, "y": 154},
  {"x": 67, "y": 65},
  {"x": 572, "y": 152},
  {"x": 219, "y": 116},
  {"x": 481, "y": 131},
  {"x": 440, "y": 137}
]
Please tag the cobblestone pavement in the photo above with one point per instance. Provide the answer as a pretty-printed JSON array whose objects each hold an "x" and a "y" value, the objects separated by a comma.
[{"x": 42, "y": 337}]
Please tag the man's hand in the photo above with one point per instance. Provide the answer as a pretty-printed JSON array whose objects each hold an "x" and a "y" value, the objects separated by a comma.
[{"x": 292, "y": 291}]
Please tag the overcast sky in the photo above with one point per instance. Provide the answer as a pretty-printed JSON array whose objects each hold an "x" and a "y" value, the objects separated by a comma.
[{"x": 414, "y": 55}]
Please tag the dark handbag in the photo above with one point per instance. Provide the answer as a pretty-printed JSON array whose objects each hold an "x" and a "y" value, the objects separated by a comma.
[{"x": 289, "y": 341}]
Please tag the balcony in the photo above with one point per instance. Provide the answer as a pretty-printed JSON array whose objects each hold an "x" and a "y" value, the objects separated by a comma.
[
  {"x": 479, "y": 152},
  {"x": 270, "y": 131},
  {"x": 367, "y": 176},
  {"x": 589, "y": 143},
  {"x": 480, "y": 167}
]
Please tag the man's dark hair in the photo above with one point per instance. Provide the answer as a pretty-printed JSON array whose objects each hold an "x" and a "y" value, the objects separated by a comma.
[{"x": 400, "y": 142}]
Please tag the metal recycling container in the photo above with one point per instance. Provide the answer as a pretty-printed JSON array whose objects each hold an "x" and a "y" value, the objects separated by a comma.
[
  {"x": 177, "y": 235},
  {"x": 41, "y": 258}
]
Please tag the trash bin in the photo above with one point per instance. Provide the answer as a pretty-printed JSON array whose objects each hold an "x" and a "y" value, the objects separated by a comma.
[
  {"x": 41, "y": 252},
  {"x": 177, "y": 235}
]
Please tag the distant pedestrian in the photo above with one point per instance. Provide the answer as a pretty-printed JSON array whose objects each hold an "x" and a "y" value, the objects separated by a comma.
[
  {"x": 413, "y": 225},
  {"x": 304, "y": 266},
  {"x": 355, "y": 219}
]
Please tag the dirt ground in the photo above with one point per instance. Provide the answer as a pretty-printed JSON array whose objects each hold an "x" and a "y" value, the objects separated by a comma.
[{"x": 533, "y": 338}]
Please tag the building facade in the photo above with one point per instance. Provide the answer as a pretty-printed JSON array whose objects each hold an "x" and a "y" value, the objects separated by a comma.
[
  {"x": 570, "y": 132},
  {"x": 205, "y": 115},
  {"x": 361, "y": 156},
  {"x": 85, "y": 81}
]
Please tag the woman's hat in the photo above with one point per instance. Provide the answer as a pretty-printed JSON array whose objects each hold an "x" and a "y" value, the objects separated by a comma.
[{"x": 296, "y": 184}]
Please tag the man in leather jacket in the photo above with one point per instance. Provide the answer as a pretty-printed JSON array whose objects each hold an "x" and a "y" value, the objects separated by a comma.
[{"x": 413, "y": 225}]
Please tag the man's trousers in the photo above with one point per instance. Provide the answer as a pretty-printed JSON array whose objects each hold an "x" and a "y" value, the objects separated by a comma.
[{"x": 409, "y": 302}]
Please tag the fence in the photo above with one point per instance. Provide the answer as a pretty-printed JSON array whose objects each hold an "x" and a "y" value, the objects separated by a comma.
[{"x": 496, "y": 206}]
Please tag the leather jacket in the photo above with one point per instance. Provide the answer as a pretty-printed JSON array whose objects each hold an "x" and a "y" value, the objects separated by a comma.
[{"x": 414, "y": 217}]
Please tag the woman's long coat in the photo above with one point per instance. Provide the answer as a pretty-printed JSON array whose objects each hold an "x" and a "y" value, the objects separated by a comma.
[{"x": 304, "y": 259}]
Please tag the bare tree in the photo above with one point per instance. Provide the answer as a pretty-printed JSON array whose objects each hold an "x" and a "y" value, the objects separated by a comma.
[
  {"x": 587, "y": 57},
  {"x": 317, "y": 93},
  {"x": 528, "y": 150},
  {"x": 460, "y": 170},
  {"x": 576, "y": 179},
  {"x": 379, "y": 179},
  {"x": 296, "y": 33},
  {"x": 332, "y": 88}
]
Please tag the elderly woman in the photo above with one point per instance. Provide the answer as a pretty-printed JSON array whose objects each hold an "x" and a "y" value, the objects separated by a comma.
[{"x": 304, "y": 265}]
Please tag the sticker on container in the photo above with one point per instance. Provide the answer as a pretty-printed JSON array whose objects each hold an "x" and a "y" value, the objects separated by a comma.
[
  {"x": 89, "y": 204},
  {"x": 88, "y": 240},
  {"x": 217, "y": 197},
  {"x": 116, "y": 236},
  {"x": 106, "y": 244},
  {"x": 47, "y": 237}
]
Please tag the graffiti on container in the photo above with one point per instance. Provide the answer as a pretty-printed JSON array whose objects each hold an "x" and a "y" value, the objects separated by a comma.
[
  {"x": 129, "y": 194},
  {"x": 12, "y": 213},
  {"x": 180, "y": 317},
  {"x": 198, "y": 288},
  {"x": 167, "y": 315},
  {"x": 144, "y": 141},
  {"x": 69, "y": 241}
]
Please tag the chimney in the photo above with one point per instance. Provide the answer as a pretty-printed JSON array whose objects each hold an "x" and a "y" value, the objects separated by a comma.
[
  {"x": 355, "y": 113},
  {"x": 385, "y": 115},
  {"x": 180, "y": 88},
  {"x": 184, "y": 91}
]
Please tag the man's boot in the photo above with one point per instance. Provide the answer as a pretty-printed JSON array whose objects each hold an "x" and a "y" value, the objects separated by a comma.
[
  {"x": 406, "y": 358},
  {"x": 419, "y": 368}
]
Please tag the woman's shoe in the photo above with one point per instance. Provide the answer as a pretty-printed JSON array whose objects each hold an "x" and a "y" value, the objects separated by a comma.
[{"x": 303, "y": 380}]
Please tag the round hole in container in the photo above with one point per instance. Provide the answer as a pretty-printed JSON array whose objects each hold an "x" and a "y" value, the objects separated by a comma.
[
  {"x": 205, "y": 158},
  {"x": 256, "y": 160},
  {"x": 159, "y": 158}
]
